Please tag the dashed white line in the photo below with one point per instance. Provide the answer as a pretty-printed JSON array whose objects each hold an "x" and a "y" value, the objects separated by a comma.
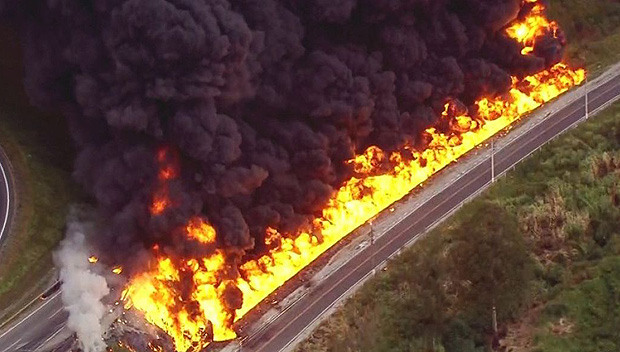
[
  {"x": 458, "y": 205},
  {"x": 31, "y": 314},
  {"x": 56, "y": 312},
  {"x": 51, "y": 337},
  {"x": 13, "y": 344}
]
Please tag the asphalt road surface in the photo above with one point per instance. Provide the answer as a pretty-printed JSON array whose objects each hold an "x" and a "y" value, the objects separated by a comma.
[
  {"x": 281, "y": 334},
  {"x": 33, "y": 331},
  {"x": 48, "y": 318},
  {"x": 36, "y": 328},
  {"x": 6, "y": 197}
]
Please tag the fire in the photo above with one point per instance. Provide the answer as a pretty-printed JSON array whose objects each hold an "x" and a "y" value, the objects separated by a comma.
[
  {"x": 201, "y": 231},
  {"x": 167, "y": 172},
  {"x": 160, "y": 203},
  {"x": 155, "y": 348},
  {"x": 532, "y": 27},
  {"x": 156, "y": 294},
  {"x": 117, "y": 270},
  {"x": 194, "y": 301},
  {"x": 360, "y": 199},
  {"x": 125, "y": 346},
  {"x": 92, "y": 259}
]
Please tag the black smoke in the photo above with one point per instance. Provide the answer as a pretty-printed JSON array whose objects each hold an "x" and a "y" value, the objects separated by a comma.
[{"x": 261, "y": 101}]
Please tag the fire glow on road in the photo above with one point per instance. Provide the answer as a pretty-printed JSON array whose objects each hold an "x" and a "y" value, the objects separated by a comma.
[{"x": 210, "y": 309}]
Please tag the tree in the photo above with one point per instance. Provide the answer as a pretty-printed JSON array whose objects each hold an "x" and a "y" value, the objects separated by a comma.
[
  {"x": 490, "y": 262},
  {"x": 416, "y": 308}
]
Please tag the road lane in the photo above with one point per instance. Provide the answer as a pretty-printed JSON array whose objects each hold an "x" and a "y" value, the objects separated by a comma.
[
  {"x": 48, "y": 319},
  {"x": 288, "y": 327},
  {"x": 36, "y": 327},
  {"x": 5, "y": 195}
]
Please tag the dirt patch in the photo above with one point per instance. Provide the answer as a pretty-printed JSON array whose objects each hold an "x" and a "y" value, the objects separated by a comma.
[
  {"x": 520, "y": 335},
  {"x": 562, "y": 327}
]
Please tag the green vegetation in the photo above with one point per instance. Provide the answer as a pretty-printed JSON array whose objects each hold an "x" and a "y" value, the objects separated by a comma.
[
  {"x": 543, "y": 245},
  {"x": 40, "y": 152},
  {"x": 45, "y": 191},
  {"x": 592, "y": 28},
  {"x": 593, "y": 305}
]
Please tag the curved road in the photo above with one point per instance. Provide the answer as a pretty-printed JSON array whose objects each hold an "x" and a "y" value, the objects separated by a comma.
[
  {"x": 6, "y": 196},
  {"x": 48, "y": 320}
]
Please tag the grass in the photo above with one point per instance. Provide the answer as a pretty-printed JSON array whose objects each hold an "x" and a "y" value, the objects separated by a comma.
[
  {"x": 567, "y": 201},
  {"x": 40, "y": 152},
  {"x": 566, "y": 198},
  {"x": 593, "y": 306},
  {"x": 593, "y": 31}
]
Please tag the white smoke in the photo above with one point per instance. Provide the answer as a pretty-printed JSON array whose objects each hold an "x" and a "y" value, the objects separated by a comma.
[{"x": 82, "y": 289}]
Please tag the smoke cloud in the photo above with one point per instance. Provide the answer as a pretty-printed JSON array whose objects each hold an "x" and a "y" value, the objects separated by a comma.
[
  {"x": 261, "y": 102},
  {"x": 82, "y": 289}
]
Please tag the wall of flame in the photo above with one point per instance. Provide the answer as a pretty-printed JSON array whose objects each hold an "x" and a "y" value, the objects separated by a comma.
[{"x": 204, "y": 312}]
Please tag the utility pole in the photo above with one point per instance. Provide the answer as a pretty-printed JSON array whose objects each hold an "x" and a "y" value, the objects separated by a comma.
[
  {"x": 494, "y": 320},
  {"x": 586, "y": 87},
  {"x": 492, "y": 161},
  {"x": 372, "y": 242},
  {"x": 372, "y": 234}
]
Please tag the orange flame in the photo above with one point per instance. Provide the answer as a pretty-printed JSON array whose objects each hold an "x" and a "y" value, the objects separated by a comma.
[
  {"x": 92, "y": 259},
  {"x": 532, "y": 27},
  {"x": 200, "y": 231},
  {"x": 157, "y": 295},
  {"x": 125, "y": 346},
  {"x": 167, "y": 172},
  {"x": 117, "y": 270},
  {"x": 160, "y": 203},
  {"x": 205, "y": 310},
  {"x": 155, "y": 292},
  {"x": 155, "y": 348}
]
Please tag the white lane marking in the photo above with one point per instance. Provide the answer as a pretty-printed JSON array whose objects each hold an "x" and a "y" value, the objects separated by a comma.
[
  {"x": 8, "y": 200},
  {"x": 364, "y": 261},
  {"x": 445, "y": 215},
  {"x": 50, "y": 299},
  {"x": 56, "y": 312},
  {"x": 482, "y": 161},
  {"x": 51, "y": 337},
  {"x": 460, "y": 176},
  {"x": 556, "y": 122},
  {"x": 14, "y": 343}
]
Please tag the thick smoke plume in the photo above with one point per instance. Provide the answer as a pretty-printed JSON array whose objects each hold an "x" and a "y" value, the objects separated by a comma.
[
  {"x": 260, "y": 102},
  {"x": 82, "y": 289}
]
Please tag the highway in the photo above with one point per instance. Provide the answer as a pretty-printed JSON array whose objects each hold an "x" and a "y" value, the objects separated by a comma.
[
  {"x": 41, "y": 323},
  {"x": 48, "y": 320},
  {"x": 283, "y": 332},
  {"x": 36, "y": 328}
]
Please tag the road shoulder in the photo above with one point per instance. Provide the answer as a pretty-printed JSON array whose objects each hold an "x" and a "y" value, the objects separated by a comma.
[
  {"x": 10, "y": 200},
  {"x": 357, "y": 242},
  {"x": 40, "y": 193}
]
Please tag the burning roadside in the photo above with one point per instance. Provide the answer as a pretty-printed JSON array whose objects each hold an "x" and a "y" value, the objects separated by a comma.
[{"x": 231, "y": 144}]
